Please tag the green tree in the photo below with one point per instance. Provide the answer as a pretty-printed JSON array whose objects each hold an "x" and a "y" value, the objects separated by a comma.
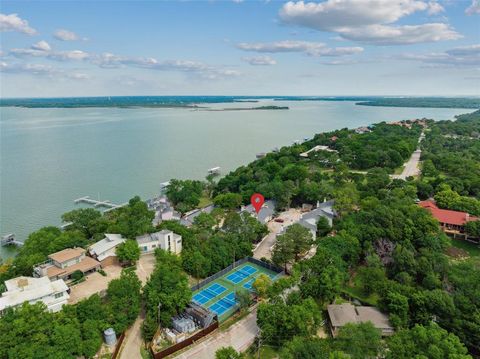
[
  {"x": 228, "y": 200},
  {"x": 124, "y": 300},
  {"x": 323, "y": 227},
  {"x": 167, "y": 290},
  {"x": 86, "y": 220},
  {"x": 279, "y": 322},
  {"x": 346, "y": 199},
  {"x": 185, "y": 195},
  {"x": 473, "y": 228},
  {"x": 425, "y": 342},
  {"x": 227, "y": 353},
  {"x": 261, "y": 285},
  {"x": 244, "y": 298},
  {"x": 128, "y": 251},
  {"x": 361, "y": 340}
]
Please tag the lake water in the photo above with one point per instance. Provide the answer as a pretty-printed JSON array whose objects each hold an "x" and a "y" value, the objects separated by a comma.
[{"x": 49, "y": 157}]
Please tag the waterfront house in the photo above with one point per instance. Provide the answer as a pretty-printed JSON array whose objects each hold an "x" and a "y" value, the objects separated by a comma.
[
  {"x": 163, "y": 209},
  {"x": 265, "y": 214},
  {"x": 54, "y": 294},
  {"x": 62, "y": 264},
  {"x": 342, "y": 314},
  {"x": 165, "y": 239},
  {"x": 189, "y": 217},
  {"x": 451, "y": 222},
  {"x": 104, "y": 250}
]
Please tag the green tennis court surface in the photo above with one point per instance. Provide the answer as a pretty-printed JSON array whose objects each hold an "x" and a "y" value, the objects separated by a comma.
[{"x": 219, "y": 295}]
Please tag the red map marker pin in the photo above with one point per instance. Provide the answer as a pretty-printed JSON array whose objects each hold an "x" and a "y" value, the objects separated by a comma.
[{"x": 257, "y": 201}]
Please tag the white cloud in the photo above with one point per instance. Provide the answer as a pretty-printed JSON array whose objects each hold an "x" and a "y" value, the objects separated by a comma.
[
  {"x": 474, "y": 8},
  {"x": 108, "y": 60},
  {"x": 307, "y": 47},
  {"x": 400, "y": 35},
  {"x": 41, "y": 46},
  {"x": 43, "y": 49},
  {"x": 260, "y": 60},
  {"x": 65, "y": 35},
  {"x": 434, "y": 8},
  {"x": 14, "y": 23},
  {"x": 459, "y": 57},
  {"x": 369, "y": 21},
  {"x": 41, "y": 70}
]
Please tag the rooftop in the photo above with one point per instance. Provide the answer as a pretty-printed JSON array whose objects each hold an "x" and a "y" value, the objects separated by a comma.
[
  {"x": 445, "y": 215},
  {"x": 85, "y": 265},
  {"x": 67, "y": 254},
  {"x": 110, "y": 241},
  {"x": 154, "y": 237},
  {"x": 342, "y": 314},
  {"x": 25, "y": 289}
]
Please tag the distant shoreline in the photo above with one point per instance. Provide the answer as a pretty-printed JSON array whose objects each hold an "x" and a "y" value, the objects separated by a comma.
[{"x": 203, "y": 102}]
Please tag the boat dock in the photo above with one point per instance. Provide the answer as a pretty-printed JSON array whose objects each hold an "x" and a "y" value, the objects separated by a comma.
[
  {"x": 9, "y": 240},
  {"x": 98, "y": 203},
  {"x": 214, "y": 171}
]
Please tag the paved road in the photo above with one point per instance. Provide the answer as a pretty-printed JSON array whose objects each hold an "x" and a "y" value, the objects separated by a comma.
[
  {"x": 411, "y": 168},
  {"x": 240, "y": 336}
]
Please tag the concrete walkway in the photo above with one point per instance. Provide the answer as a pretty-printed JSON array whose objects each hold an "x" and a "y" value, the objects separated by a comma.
[{"x": 239, "y": 336}]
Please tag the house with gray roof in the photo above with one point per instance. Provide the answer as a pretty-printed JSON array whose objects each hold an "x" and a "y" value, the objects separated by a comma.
[
  {"x": 309, "y": 220},
  {"x": 266, "y": 212},
  {"x": 106, "y": 248},
  {"x": 189, "y": 217},
  {"x": 163, "y": 209},
  {"x": 342, "y": 314},
  {"x": 164, "y": 239}
]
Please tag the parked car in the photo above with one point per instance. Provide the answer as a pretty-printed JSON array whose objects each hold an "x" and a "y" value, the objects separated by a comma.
[{"x": 279, "y": 220}]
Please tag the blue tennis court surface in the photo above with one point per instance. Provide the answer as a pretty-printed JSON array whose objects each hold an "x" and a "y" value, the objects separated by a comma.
[
  {"x": 209, "y": 293},
  {"x": 224, "y": 304},
  {"x": 249, "y": 284},
  {"x": 241, "y": 273}
]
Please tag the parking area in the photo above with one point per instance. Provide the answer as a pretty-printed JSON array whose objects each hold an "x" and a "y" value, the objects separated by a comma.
[{"x": 97, "y": 283}]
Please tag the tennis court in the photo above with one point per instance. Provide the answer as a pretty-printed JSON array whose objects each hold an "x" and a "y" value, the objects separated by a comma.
[
  {"x": 224, "y": 304},
  {"x": 209, "y": 293},
  {"x": 241, "y": 273},
  {"x": 219, "y": 295}
]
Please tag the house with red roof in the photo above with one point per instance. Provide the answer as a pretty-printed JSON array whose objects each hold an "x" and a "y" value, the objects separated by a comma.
[{"x": 452, "y": 222}]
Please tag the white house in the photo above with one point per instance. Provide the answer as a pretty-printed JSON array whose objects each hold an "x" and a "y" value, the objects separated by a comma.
[
  {"x": 164, "y": 239},
  {"x": 54, "y": 294},
  {"x": 104, "y": 250}
]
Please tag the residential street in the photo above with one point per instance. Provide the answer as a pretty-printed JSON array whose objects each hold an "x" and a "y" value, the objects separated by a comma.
[
  {"x": 240, "y": 336},
  {"x": 411, "y": 168}
]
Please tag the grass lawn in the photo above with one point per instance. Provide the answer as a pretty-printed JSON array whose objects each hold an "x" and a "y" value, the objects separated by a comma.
[
  {"x": 355, "y": 290},
  {"x": 204, "y": 201},
  {"x": 398, "y": 170},
  {"x": 472, "y": 249},
  {"x": 266, "y": 352}
]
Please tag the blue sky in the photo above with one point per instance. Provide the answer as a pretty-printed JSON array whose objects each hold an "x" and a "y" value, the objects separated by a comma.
[{"x": 330, "y": 47}]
